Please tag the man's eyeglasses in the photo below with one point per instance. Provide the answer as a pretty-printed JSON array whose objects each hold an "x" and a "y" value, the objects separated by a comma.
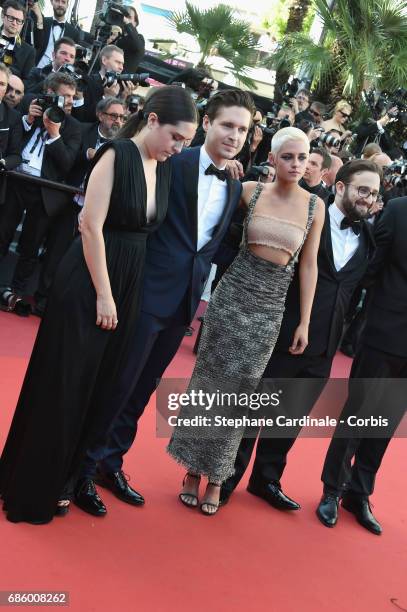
[
  {"x": 116, "y": 116},
  {"x": 314, "y": 112},
  {"x": 344, "y": 114},
  {"x": 12, "y": 19},
  {"x": 364, "y": 192}
]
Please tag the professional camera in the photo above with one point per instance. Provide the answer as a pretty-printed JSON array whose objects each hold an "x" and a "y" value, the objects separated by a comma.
[
  {"x": 396, "y": 99},
  {"x": 273, "y": 124},
  {"x": 113, "y": 14},
  {"x": 6, "y": 55},
  {"x": 396, "y": 174},
  {"x": 261, "y": 171},
  {"x": 133, "y": 104},
  {"x": 330, "y": 140},
  {"x": 77, "y": 71},
  {"x": 289, "y": 90},
  {"x": 135, "y": 78},
  {"x": 54, "y": 105}
]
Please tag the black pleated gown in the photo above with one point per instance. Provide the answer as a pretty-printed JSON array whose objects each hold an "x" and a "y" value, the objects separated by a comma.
[{"x": 74, "y": 363}]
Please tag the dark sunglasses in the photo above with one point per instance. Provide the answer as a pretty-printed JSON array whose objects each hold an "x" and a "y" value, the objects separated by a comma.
[
  {"x": 314, "y": 112},
  {"x": 344, "y": 114}
]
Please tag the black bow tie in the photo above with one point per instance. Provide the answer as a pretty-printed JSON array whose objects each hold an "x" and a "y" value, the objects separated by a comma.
[
  {"x": 354, "y": 225},
  {"x": 221, "y": 174},
  {"x": 58, "y": 23},
  {"x": 10, "y": 39}
]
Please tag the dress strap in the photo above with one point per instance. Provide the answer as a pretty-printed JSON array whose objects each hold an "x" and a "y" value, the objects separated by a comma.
[
  {"x": 311, "y": 214},
  {"x": 250, "y": 208}
]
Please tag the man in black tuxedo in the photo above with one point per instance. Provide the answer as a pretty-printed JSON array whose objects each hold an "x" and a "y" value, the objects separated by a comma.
[
  {"x": 318, "y": 165},
  {"x": 62, "y": 54},
  {"x": 130, "y": 41},
  {"x": 178, "y": 260},
  {"x": 382, "y": 354},
  {"x": 11, "y": 130},
  {"x": 346, "y": 247},
  {"x": 16, "y": 54},
  {"x": 46, "y": 31},
  {"x": 49, "y": 150},
  {"x": 110, "y": 113}
]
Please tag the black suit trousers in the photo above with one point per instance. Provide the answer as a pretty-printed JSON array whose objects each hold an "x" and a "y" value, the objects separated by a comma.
[
  {"x": 338, "y": 473},
  {"x": 23, "y": 196},
  {"x": 154, "y": 345},
  {"x": 271, "y": 452}
]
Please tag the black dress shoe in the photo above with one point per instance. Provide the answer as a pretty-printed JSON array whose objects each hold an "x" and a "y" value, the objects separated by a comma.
[
  {"x": 87, "y": 498},
  {"x": 327, "y": 511},
  {"x": 363, "y": 512},
  {"x": 225, "y": 494},
  {"x": 271, "y": 492},
  {"x": 118, "y": 484}
]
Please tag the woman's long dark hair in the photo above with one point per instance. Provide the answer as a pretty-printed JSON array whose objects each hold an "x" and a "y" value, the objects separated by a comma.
[{"x": 170, "y": 103}]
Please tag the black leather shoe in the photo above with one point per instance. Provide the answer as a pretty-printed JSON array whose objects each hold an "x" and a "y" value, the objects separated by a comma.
[
  {"x": 225, "y": 494},
  {"x": 118, "y": 484},
  {"x": 363, "y": 512},
  {"x": 271, "y": 492},
  {"x": 327, "y": 511},
  {"x": 87, "y": 498}
]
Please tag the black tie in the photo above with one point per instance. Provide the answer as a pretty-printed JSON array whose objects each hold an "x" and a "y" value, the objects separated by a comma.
[
  {"x": 354, "y": 225},
  {"x": 221, "y": 174},
  {"x": 9, "y": 39},
  {"x": 58, "y": 23}
]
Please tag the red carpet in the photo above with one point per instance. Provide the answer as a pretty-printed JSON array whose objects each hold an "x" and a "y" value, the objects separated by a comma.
[{"x": 165, "y": 557}]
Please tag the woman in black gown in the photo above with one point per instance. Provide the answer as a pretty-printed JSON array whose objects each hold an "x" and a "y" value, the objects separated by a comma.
[{"x": 92, "y": 312}]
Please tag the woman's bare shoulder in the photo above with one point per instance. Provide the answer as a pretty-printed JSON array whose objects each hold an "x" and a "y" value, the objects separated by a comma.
[{"x": 248, "y": 189}]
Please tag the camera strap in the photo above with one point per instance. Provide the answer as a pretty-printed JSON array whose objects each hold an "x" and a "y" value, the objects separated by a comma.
[{"x": 40, "y": 138}]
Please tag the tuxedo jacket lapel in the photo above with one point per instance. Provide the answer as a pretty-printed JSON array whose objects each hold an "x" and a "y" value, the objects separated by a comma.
[
  {"x": 328, "y": 243},
  {"x": 191, "y": 177}
]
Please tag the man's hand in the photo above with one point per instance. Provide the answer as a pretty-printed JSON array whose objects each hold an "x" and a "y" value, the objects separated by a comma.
[
  {"x": 51, "y": 127},
  {"x": 113, "y": 90},
  {"x": 294, "y": 105},
  {"x": 314, "y": 134},
  {"x": 127, "y": 89},
  {"x": 235, "y": 169},
  {"x": 39, "y": 17},
  {"x": 386, "y": 118},
  {"x": 376, "y": 207},
  {"x": 34, "y": 111}
]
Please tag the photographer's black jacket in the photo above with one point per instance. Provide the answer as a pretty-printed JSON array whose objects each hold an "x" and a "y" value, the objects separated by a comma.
[
  {"x": 133, "y": 46},
  {"x": 368, "y": 132},
  {"x": 35, "y": 81},
  {"x": 41, "y": 37},
  {"x": 23, "y": 59},
  {"x": 11, "y": 136},
  {"x": 59, "y": 158}
]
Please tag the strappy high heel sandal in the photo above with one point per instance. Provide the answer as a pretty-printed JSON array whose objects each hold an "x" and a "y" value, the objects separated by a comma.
[
  {"x": 215, "y": 507},
  {"x": 62, "y": 508},
  {"x": 193, "y": 503}
]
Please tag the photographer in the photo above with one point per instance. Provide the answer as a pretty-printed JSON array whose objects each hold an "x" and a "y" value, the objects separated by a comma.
[
  {"x": 314, "y": 114},
  {"x": 11, "y": 132},
  {"x": 15, "y": 92},
  {"x": 15, "y": 53},
  {"x": 63, "y": 53},
  {"x": 301, "y": 101},
  {"x": 248, "y": 153},
  {"x": 370, "y": 131},
  {"x": 47, "y": 31},
  {"x": 130, "y": 40},
  {"x": 51, "y": 142}
]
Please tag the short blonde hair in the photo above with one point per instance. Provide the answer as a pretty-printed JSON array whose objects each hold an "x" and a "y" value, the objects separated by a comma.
[
  {"x": 342, "y": 105},
  {"x": 286, "y": 135}
]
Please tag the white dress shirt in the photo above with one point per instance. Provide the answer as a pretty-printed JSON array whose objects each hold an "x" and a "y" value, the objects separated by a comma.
[
  {"x": 344, "y": 241},
  {"x": 212, "y": 196},
  {"x": 33, "y": 151},
  {"x": 55, "y": 33}
]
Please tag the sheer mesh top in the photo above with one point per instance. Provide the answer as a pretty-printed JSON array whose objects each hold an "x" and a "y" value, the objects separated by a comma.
[{"x": 274, "y": 232}]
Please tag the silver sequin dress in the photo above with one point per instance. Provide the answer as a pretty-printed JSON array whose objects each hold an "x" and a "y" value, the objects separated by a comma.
[{"x": 242, "y": 324}]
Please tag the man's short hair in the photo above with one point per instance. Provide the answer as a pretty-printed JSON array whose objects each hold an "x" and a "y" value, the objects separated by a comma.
[
  {"x": 326, "y": 158},
  {"x": 14, "y": 4},
  {"x": 305, "y": 92},
  {"x": 108, "y": 51},
  {"x": 229, "y": 97},
  {"x": 56, "y": 79},
  {"x": 320, "y": 106},
  {"x": 348, "y": 170},
  {"x": 65, "y": 40},
  {"x": 371, "y": 149},
  {"x": 105, "y": 103},
  {"x": 7, "y": 72}
]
